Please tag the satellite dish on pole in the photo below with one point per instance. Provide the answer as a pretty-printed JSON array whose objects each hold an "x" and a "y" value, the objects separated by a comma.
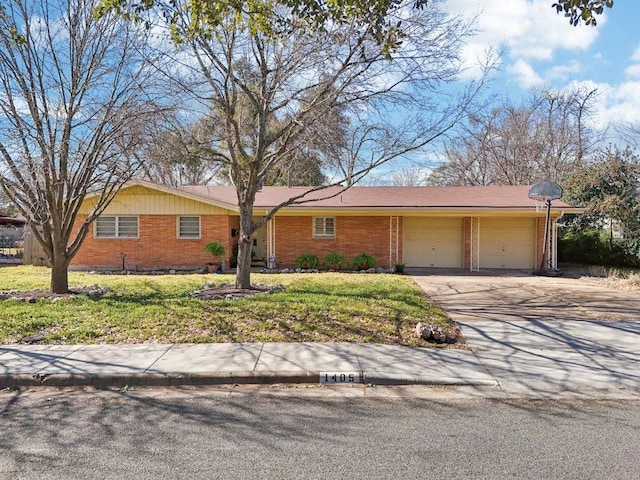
[{"x": 546, "y": 191}]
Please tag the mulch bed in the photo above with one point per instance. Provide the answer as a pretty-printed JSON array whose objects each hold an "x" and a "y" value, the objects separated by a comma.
[
  {"x": 226, "y": 291},
  {"x": 33, "y": 296}
]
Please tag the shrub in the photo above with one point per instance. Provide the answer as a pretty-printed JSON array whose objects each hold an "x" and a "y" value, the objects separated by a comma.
[
  {"x": 215, "y": 248},
  {"x": 591, "y": 247},
  {"x": 307, "y": 260},
  {"x": 364, "y": 261},
  {"x": 334, "y": 261}
]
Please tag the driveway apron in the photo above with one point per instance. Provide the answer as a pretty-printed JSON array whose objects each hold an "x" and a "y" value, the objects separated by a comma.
[{"x": 540, "y": 335}]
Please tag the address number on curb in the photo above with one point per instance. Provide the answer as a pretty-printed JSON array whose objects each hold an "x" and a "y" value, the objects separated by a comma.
[{"x": 339, "y": 377}]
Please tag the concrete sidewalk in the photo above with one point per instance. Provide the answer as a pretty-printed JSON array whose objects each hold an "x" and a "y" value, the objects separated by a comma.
[{"x": 106, "y": 366}]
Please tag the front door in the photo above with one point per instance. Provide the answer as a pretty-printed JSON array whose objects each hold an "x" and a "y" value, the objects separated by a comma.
[{"x": 258, "y": 244}]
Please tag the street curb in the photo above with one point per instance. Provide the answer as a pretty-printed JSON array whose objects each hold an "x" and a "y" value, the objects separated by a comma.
[
  {"x": 382, "y": 379},
  {"x": 120, "y": 380}
]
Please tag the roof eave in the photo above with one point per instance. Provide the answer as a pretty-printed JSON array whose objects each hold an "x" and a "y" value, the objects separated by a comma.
[{"x": 299, "y": 209}]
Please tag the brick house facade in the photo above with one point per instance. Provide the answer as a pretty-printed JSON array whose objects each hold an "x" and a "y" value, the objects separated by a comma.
[{"x": 373, "y": 220}]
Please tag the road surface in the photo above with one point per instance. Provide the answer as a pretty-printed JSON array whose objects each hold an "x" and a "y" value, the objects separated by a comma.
[{"x": 313, "y": 434}]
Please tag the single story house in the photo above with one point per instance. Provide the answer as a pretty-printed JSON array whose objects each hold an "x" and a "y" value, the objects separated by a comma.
[
  {"x": 150, "y": 226},
  {"x": 5, "y": 219}
]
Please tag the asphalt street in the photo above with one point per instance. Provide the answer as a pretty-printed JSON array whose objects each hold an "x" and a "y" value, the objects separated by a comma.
[{"x": 163, "y": 433}]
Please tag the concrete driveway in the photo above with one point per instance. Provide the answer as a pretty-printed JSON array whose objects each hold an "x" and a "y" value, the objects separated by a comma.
[{"x": 539, "y": 335}]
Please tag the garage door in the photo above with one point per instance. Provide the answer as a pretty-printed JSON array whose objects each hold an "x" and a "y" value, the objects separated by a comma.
[
  {"x": 507, "y": 242},
  {"x": 433, "y": 242}
]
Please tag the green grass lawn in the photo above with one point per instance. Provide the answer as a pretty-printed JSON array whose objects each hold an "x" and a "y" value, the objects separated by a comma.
[{"x": 328, "y": 307}]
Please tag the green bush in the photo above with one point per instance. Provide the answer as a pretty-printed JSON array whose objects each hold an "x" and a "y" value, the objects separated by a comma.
[
  {"x": 364, "y": 261},
  {"x": 334, "y": 261},
  {"x": 307, "y": 260},
  {"x": 592, "y": 247},
  {"x": 215, "y": 248}
]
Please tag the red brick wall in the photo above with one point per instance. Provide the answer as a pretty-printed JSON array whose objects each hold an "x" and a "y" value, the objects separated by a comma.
[
  {"x": 354, "y": 235},
  {"x": 157, "y": 245}
]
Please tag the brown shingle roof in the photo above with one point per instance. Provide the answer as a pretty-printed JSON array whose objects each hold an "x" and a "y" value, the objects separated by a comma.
[{"x": 385, "y": 197}]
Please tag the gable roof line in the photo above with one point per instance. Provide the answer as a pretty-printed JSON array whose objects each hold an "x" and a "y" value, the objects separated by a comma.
[
  {"x": 224, "y": 196},
  {"x": 175, "y": 191}
]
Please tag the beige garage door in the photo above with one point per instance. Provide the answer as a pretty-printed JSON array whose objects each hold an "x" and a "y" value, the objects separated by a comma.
[
  {"x": 507, "y": 242},
  {"x": 433, "y": 242}
]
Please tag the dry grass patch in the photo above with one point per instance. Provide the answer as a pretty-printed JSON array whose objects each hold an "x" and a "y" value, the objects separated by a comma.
[{"x": 626, "y": 283}]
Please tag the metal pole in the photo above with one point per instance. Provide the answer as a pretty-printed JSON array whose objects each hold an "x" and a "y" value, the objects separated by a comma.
[{"x": 546, "y": 235}]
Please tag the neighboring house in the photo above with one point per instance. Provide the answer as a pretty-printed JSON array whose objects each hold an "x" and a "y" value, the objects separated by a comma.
[
  {"x": 11, "y": 235},
  {"x": 150, "y": 226},
  {"x": 5, "y": 219}
]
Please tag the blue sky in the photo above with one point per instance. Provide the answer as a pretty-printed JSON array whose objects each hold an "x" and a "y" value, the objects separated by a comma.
[{"x": 541, "y": 50}]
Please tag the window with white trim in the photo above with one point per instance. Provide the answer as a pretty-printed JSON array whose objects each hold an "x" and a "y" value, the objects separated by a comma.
[
  {"x": 188, "y": 227},
  {"x": 324, "y": 227},
  {"x": 116, "y": 227}
]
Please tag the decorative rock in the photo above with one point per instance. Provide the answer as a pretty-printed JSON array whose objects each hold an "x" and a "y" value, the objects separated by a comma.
[
  {"x": 432, "y": 332},
  {"x": 423, "y": 331},
  {"x": 36, "y": 337}
]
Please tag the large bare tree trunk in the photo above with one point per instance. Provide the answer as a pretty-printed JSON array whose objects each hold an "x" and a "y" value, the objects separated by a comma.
[
  {"x": 59, "y": 277},
  {"x": 243, "y": 272}
]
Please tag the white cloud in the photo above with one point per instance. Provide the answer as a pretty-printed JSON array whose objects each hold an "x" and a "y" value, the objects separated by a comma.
[
  {"x": 524, "y": 75},
  {"x": 636, "y": 54},
  {"x": 563, "y": 72},
  {"x": 615, "y": 104},
  {"x": 621, "y": 104},
  {"x": 633, "y": 71},
  {"x": 527, "y": 30}
]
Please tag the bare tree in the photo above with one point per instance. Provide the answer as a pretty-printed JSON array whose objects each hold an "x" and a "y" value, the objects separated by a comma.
[
  {"x": 182, "y": 155},
  {"x": 274, "y": 89},
  {"x": 409, "y": 177},
  {"x": 75, "y": 97},
  {"x": 543, "y": 139}
]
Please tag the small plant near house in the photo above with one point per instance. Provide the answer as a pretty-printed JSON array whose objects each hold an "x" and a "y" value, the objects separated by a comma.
[
  {"x": 399, "y": 267},
  {"x": 217, "y": 250},
  {"x": 364, "y": 261},
  {"x": 307, "y": 260},
  {"x": 334, "y": 261}
]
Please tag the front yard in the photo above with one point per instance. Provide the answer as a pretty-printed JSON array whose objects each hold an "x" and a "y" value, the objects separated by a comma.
[{"x": 328, "y": 307}]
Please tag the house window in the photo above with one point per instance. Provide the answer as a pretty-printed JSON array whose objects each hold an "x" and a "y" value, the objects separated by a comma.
[
  {"x": 188, "y": 227},
  {"x": 324, "y": 227},
  {"x": 116, "y": 227}
]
